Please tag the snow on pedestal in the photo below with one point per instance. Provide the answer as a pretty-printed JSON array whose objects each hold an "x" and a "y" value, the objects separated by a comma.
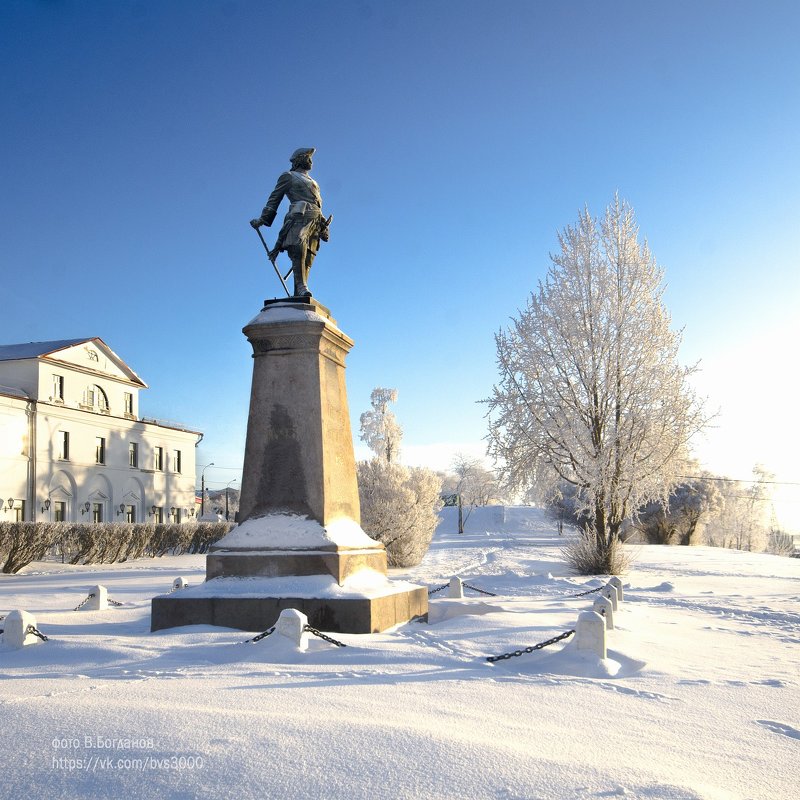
[
  {"x": 615, "y": 581},
  {"x": 292, "y": 624},
  {"x": 98, "y": 599},
  {"x": 590, "y": 633},
  {"x": 604, "y": 607},
  {"x": 456, "y": 590},
  {"x": 15, "y": 627},
  {"x": 179, "y": 583},
  {"x": 610, "y": 591}
]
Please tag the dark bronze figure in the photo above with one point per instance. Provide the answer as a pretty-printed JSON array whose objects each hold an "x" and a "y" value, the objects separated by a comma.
[{"x": 304, "y": 226}]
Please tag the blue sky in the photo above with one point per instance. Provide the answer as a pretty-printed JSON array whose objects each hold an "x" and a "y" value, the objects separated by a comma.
[{"x": 453, "y": 140}]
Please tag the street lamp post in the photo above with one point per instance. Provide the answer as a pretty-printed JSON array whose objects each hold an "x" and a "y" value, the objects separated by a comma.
[
  {"x": 203, "y": 488},
  {"x": 226, "y": 498}
]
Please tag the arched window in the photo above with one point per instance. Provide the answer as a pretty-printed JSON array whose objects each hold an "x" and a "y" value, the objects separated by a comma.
[{"x": 96, "y": 399}]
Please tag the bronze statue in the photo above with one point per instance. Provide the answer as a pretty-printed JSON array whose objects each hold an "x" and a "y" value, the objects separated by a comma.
[{"x": 304, "y": 226}]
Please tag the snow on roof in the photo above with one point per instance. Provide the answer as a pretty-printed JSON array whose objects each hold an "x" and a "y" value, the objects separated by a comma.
[
  {"x": 14, "y": 352},
  {"x": 26, "y": 350},
  {"x": 12, "y": 391}
]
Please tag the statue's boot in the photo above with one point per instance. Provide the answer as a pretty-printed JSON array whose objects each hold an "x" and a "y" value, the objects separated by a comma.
[{"x": 300, "y": 288}]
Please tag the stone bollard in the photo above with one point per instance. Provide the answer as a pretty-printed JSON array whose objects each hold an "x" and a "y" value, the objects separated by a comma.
[
  {"x": 100, "y": 600},
  {"x": 292, "y": 624},
  {"x": 179, "y": 583},
  {"x": 615, "y": 581},
  {"x": 456, "y": 588},
  {"x": 15, "y": 626},
  {"x": 610, "y": 591},
  {"x": 590, "y": 633},
  {"x": 603, "y": 606}
]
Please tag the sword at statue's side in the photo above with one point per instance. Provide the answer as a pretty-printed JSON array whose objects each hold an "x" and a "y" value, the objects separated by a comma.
[
  {"x": 272, "y": 260},
  {"x": 324, "y": 227}
]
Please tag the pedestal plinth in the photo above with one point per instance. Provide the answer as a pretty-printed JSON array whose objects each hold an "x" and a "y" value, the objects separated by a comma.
[{"x": 298, "y": 543}]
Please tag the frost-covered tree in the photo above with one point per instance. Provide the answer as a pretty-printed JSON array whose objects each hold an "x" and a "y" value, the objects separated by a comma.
[
  {"x": 590, "y": 389},
  {"x": 380, "y": 429},
  {"x": 471, "y": 484},
  {"x": 743, "y": 521},
  {"x": 399, "y": 507},
  {"x": 676, "y": 522}
]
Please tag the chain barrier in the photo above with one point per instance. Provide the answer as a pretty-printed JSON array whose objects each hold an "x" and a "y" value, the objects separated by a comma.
[
  {"x": 115, "y": 603},
  {"x": 583, "y": 594},
  {"x": 260, "y": 636},
  {"x": 83, "y": 602},
  {"x": 324, "y": 636},
  {"x": 476, "y": 589},
  {"x": 493, "y": 594},
  {"x": 531, "y": 649},
  {"x": 36, "y": 632}
]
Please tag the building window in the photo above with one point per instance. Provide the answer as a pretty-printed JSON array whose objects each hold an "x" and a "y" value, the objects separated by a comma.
[
  {"x": 176, "y": 514},
  {"x": 159, "y": 458},
  {"x": 19, "y": 510},
  {"x": 96, "y": 399},
  {"x": 63, "y": 446},
  {"x": 130, "y": 513},
  {"x": 97, "y": 512},
  {"x": 158, "y": 515},
  {"x": 60, "y": 511},
  {"x": 133, "y": 454},
  {"x": 176, "y": 461},
  {"x": 58, "y": 388},
  {"x": 99, "y": 450},
  {"x": 129, "y": 404}
]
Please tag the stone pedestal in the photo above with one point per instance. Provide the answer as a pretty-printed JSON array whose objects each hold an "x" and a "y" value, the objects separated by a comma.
[{"x": 298, "y": 543}]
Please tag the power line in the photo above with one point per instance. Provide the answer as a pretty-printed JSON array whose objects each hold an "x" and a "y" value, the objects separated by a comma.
[{"x": 737, "y": 480}]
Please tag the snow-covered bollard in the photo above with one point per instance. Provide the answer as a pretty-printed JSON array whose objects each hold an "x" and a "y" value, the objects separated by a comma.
[
  {"x": 292, "y": 624},
  {"x": 610, "y": 591},
  {"x": 615, "y": 581},
  {"x": 179, "y": 583},
  {"x": 456, "y": 590},
  {"x": 590, "y": 633},
  {"x": 97, "y": 599},
  {"x": 603, "y": 606},
  {"x": 15, "y": 629}
]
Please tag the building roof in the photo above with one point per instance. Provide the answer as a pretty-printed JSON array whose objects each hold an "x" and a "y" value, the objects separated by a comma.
[
  {"x": 16, "y": 352},
  {"x": 31, "y": 350}
]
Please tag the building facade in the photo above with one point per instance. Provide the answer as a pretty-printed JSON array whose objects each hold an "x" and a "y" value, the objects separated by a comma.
[{"x": 73, "y": 446}]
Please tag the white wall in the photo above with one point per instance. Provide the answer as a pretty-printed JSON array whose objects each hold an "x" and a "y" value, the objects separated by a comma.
[{"x": 79, "y": 479}]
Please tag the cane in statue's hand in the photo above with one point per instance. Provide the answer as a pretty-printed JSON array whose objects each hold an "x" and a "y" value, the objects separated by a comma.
[{"x": 271, "y": 255}]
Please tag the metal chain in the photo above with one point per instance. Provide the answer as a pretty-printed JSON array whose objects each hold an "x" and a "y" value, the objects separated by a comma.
[
  {"x": 583, "y": 594},
  {"x": 83, "y": 602},
  {"x": 323, "y": 636},
  {"x": 114, "y": 602},
  {"x": 260, "y": 636},
  {"x": 36, "y": 632},
  {"x": 476, "y": 589},
  {"x": 437, "y": 589},
  {"x": 530, "y": 649}
]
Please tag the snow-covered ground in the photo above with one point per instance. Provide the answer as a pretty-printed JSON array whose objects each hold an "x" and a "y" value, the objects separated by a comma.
[{"x": 698, "y": 697}]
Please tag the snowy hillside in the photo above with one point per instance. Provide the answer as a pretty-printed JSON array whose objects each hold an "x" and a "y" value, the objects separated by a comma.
[{"x": 698, "y": 697}]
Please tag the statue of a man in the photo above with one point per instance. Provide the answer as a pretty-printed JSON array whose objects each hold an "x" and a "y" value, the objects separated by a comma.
[{"x": 304, "y": 225}]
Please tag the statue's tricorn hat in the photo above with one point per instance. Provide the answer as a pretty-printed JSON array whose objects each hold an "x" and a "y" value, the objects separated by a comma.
[{"x": 301, "y": 151}]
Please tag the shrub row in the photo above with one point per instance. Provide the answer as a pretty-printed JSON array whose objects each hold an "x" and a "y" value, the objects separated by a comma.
[{"x": 106, "y": 542}]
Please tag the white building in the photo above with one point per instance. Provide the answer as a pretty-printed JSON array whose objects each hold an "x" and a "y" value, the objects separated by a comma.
[{"x": 72, "y": 444}]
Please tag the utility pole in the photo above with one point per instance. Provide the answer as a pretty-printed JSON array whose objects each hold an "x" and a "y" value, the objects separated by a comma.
[
  {"x": 203, "y": 488},
  {"x": 226, "y": 498}
]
